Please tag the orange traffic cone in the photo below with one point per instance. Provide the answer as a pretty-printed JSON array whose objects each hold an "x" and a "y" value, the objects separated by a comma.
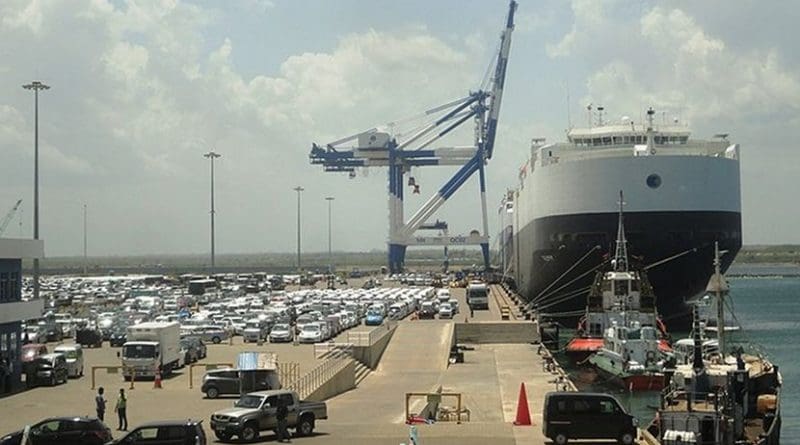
[
  {"x": 523, "y": 414},
  {"x": 157, "y": 379}
]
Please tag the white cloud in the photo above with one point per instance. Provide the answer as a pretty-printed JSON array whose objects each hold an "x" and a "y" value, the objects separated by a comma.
[{"x": 22, "y": 14}]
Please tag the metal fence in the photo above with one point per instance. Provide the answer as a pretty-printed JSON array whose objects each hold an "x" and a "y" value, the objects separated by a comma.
[
  {"x": 369, "y": 338},
  {"x": 311, "y": 381},
  {"x": 331, "y": 349},
  {"x": 288, "y": 373}
]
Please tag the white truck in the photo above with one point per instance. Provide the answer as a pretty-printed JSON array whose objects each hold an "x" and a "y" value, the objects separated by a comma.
[
  {"x": 478, "y": 295},
  {"x": 149, "y": 346}
]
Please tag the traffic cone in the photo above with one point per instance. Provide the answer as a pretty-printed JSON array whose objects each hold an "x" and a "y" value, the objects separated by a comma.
[
  {"x": 523, "y": 414},
  {"x": 157, "y": 379}
]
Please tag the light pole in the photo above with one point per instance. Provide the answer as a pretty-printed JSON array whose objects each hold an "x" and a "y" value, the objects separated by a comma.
[
  {"x": 212, "y": 155},
  {"x": 85, "y": 256},
  {"x": 330, "y": 254},
  {"x": 36, "y": 86},
  {"x": 299, "y": 190}
]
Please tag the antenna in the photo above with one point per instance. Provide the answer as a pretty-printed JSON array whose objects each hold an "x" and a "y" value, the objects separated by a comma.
[
  {"x": 600, "y": 110},
  {"x": 621, "y": 254},
  {"x": 589, "y": 113}
]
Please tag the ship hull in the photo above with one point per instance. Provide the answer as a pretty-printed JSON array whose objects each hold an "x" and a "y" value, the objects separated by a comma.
[{"x": 561, "y": 252}]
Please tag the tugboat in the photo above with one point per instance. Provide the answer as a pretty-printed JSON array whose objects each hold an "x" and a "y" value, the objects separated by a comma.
[
  {"x": 619, "y": 296},
  {"x": 718, "y": 398}
]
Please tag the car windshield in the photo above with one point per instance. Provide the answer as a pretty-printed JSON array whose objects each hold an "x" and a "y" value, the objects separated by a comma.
[
  {"x": 138, "y": 351},
  {"x": 248, "y": 402},
  {"x": 281, "y": 327},
  {"x": 311, "y": 328},
  {"x": 374, "y": 312},
  {"x": 69, "y": 353}
]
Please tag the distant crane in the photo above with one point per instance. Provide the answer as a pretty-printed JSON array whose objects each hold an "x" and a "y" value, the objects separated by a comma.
[
  {"x": 382, "y": 147},
  {"x": 9, "y": 216}
]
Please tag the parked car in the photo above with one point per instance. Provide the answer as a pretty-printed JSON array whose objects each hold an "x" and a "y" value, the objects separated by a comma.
[
  {"x": 255, "y": 330},
  {"x": 427, "y": 310},
  {"x": 199, "y": 345},
  {"x": 118, "y": 337},
  {"x": 445, "y": 311},
  {"x": 256, "y": 412},
  {"x": 74, "y": 356},
  {"x": 30, "y": 353},
  {"x": 213, "y": 334},
  {"x": 579, "y": 415},
  {"x": 311, "y": 333},
  {"x": 63, "y": 430},
  {"x": 191, "y": 352},
  {"x": 89, "y": 337},
  {"x": 281, "y": 332},
  {"x": 49, "y": 369},
  {"x": 374, "y": 317},
  {"x": 166, "y": 432},
  {"x": 231, "y": 381}
]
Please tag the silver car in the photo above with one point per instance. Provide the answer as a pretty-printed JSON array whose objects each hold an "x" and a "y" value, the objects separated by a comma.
[{"x": 213, "y": 334}]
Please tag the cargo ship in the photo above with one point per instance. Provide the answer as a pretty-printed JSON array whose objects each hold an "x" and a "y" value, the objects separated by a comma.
[{"x": 682, "y": 195}]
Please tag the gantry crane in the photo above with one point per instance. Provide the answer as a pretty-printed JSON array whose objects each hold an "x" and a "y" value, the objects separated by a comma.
[
  {"x": 379, "y": 147},
  {"x": 9, "y": 216}
]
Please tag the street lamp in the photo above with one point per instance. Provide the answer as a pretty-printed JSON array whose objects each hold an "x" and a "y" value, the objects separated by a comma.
[
  {"x": 212, "y": 155},
  {"x": 299, "y": 190},
  {"x": 36, "y": 86},
  {"x": 330, "y": 254}
]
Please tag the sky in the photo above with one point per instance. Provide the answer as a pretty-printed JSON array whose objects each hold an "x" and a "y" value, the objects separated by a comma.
[{"x": 142, "y": 89}]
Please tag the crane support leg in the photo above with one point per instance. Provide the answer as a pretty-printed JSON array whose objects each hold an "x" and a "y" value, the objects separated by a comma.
[{"x": 484, "y": 246}]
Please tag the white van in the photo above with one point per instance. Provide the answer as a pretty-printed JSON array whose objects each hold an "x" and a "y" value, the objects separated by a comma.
[{"x": 74, "y": 356}]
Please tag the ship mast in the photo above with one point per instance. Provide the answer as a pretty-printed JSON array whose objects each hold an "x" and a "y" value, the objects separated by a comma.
[
  {"x": 719, "y": 287},
  {"x": 621, "y": 254}
]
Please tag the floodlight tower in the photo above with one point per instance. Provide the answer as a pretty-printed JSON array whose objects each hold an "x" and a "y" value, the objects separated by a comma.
[
  {"x": 211, "y": 155},
  {"x": 36, "y": 86}
]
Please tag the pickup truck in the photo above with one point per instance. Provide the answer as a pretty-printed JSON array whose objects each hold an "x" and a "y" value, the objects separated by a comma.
[{"x": 256, "y": 412}]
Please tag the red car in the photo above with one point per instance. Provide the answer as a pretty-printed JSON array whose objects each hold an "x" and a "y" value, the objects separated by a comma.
[{"x": 30, "y": 353}]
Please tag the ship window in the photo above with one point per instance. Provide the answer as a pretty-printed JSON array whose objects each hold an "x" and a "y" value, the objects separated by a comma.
[
  {"x": 620, "y": 288},
  {"x": 684, "y": 139},
  {"x": 657, "y": 139},
  {"x": 594, "y": 329},
  {"x": 654, "y": 181}
]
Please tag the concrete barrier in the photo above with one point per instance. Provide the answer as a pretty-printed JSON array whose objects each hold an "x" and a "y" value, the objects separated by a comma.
[
  {"x": 370, "y": 355},
  {"x": 496, "y": 332},
  {"x": 342, "y": 381}
]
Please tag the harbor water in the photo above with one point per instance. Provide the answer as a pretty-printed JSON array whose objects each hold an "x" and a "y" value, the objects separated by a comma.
[{"x": 766, "y": 302}]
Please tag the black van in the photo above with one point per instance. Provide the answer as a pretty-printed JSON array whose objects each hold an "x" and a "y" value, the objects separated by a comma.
[{"x": 580, "y": 415}]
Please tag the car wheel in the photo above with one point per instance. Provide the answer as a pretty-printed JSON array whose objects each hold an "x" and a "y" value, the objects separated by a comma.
[
  {"x": 216, "y": 340},
  {"x": 560, "y": 439},
  {"x": 223, "y": 436},
  {"x": 212, "y": 393},
  {"x": 627, "y": 439},
  {"x": 249, "y": 432},
  {"x": 306, "y": 426}
]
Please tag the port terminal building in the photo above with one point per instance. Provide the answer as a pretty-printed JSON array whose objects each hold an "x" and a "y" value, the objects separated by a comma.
[{"x": 13, "y": 310}]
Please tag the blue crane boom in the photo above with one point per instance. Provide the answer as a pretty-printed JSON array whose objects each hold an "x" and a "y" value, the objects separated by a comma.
[{"x": 377, "y": 147}]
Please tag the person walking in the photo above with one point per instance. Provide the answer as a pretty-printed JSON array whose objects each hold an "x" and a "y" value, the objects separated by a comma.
[
  {"x": 121, "y": 409},
  {"x": 100, "y": 404},
  {"x": 281, "y": 414}
]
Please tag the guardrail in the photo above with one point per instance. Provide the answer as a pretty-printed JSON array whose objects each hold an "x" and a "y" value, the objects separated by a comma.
[
  {"x": 331, "y": 349},
  {"x": 369, "y": 338},
  {"x": 311, "y": 381}
]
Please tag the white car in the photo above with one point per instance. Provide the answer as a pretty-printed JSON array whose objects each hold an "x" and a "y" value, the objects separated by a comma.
[
  {"x": 311, "y": 333},
  {"x": 445, "y": 311}
]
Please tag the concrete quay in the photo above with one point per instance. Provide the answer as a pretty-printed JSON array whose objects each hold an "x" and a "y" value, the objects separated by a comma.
[{"x": 415, "y": 359}]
